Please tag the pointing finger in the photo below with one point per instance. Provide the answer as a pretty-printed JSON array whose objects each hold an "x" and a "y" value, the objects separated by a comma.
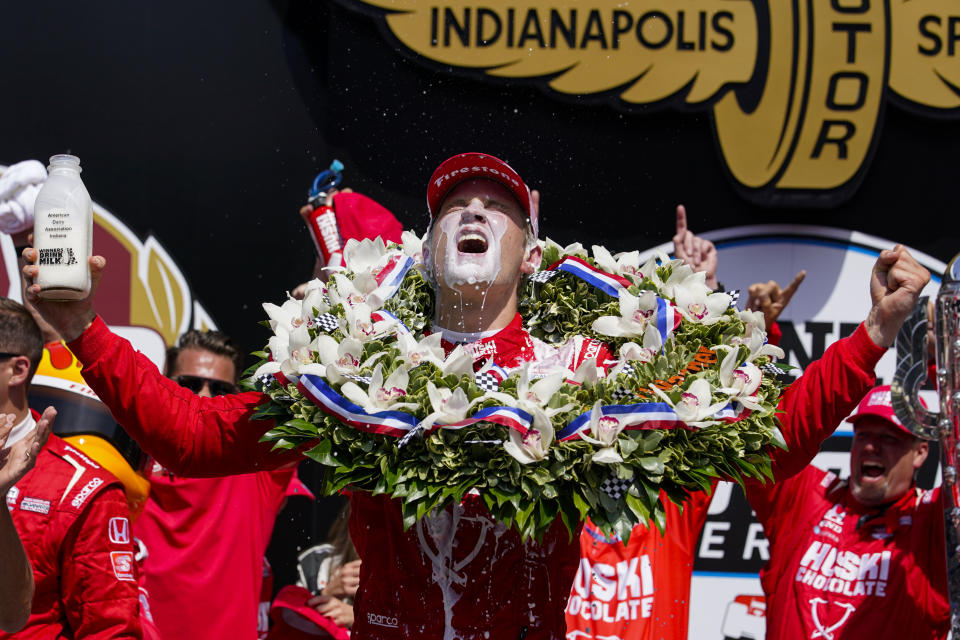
[
  {"x": 791, "y": 288},
  {"x": 681, "y": 220}
]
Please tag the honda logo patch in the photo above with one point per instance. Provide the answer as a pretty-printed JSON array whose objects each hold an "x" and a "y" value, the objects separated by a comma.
[{"x": 119, "y": 529}]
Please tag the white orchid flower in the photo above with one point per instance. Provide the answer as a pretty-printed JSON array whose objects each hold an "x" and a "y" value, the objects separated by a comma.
[
  {"x": 603, "y": 433},
  {"x": 362, "y": 289},
  {"x": 699, "y": 306},
  {"x": 413, "y": 245},
  {"x": 535, "y": 444},
  {"x": 343, "y": 358},
  {"x": 458, "y": 362},
  {"x": 625, "y": 264},
  {"x": 293, "y": 353},
  {"x": 575, "y": 249},
  {"x": 635, "y": 312},
  {"x": 760, "y": 347},
  {"x": 288, "y": 316},
  {"x": 648, "y": 271},
  {"x": 695, "y": 407},
  {"x": 414, "y": 353},
  {"x": 587, "y": 373},
  {"x": 534, "y": 395},
  {"x": 364, "y": 255},
  {"x": 739, "y": 382},
  {"x": 448, "y": 406},
  {"x": 380, "y": 395},
  {"x": 684, "y": 276},
  {"x": 652, "y": 343},
  {"x": 359, "y": 325},
  {"x": 315, "y": 299}
]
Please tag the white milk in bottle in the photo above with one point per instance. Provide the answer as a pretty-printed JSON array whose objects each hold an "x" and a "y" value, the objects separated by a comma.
[{"x": 63, "y": 232}]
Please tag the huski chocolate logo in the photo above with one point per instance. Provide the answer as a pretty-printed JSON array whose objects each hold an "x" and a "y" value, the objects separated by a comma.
[{"x": 796, "y": 89}]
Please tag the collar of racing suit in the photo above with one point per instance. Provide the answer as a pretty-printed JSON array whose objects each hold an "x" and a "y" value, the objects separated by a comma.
[
  {"x": 889, "y": 516},
  {"x": 507, "y": 348}
]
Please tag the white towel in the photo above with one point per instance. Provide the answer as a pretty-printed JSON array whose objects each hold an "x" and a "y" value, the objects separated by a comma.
[{"x": 19, "y": 186}]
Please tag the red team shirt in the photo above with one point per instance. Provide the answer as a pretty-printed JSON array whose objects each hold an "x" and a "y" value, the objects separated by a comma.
[
  {"x": 617, "y": 593},
  {"x": 840, "y": 571},
  {"x": 206, "y": 538},
  {"x": 660, "y": 569}
]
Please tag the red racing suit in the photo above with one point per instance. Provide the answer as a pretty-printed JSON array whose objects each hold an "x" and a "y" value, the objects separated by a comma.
[
  {"x": 459, "y": 570},
  {"x": 842, "y": 571},
  {"x": 73, "y": 519},
  {"x": 642, "y": 591}
]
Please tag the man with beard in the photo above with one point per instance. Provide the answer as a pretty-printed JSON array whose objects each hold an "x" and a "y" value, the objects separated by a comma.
[
  {"x": 481, "y": 243},
  {"x": 860, "y": 557}
]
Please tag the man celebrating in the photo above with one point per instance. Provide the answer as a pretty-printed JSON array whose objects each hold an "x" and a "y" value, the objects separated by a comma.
[
  {"x": 860, "y": 557},
  {"x": 481, "y": 243},
  {"x": 71, "y": 513},
  {"x": 206, "y": 536}
]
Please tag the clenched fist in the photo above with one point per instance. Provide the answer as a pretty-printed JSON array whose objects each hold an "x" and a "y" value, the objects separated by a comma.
[{"x": 895, "y": 285}]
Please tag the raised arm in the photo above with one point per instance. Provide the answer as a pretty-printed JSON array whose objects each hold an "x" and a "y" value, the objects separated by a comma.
[
  {"x": 16, "y": 580},
  {"x": 831, "y": 387},
  {"x": 186, "y": 433}
]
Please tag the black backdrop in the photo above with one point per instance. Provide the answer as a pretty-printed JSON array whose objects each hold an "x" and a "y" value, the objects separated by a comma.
[{"x": 204, "y": 123}]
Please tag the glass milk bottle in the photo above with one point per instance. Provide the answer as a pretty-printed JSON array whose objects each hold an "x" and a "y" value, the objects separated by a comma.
[{"x": 63, "y": 232}]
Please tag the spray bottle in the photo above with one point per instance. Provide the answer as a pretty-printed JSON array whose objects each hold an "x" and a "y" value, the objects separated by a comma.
[{"x": 322, "y": 221}]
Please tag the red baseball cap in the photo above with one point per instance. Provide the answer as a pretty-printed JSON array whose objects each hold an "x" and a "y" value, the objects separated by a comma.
[
  {"x": 294, "y": 620},
  {"x": 465, "y": 166},
  {"x": 878, "y": 402}
]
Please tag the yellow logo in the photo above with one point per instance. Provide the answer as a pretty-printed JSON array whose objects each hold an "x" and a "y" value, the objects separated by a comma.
[{"x": 796, "y": 88}]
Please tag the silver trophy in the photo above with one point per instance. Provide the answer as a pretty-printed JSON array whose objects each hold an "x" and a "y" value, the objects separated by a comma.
[{"x": 911, "y": 371}]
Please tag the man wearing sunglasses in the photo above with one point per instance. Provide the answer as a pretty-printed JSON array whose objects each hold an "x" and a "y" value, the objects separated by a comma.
[{"x": 206, "y": 536}]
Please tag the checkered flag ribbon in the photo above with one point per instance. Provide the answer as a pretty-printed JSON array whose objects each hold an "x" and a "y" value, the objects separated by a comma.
[
  {"x": 615, "y": 487},
  {"x": 620, "y": 394},
  {"x": 487, "y": 381},
  {"x": 542, "y": 276},
  {"x": 363, "y": 379},
  {"x": 326, "y": 322},
  {"x": 734, "y": 297},
  {"x": 416, "y": 432},
  {"x": 623, "y": 392},
  {"x": 772, "y": 370}
]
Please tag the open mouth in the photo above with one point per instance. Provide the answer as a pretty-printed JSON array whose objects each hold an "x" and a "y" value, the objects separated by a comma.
[
  {"x": 871, "y": 469},
  {"x": 471, "y": 242}
]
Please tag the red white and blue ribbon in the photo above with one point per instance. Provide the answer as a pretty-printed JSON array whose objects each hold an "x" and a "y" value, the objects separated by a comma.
[
  {"x": 607, "y": 282},
  {"x": 511, "y": 417},
  {"x": 651, "y": 415},
  {"x": 391, "y": 423},
  {"x": 667, "y": 319},
  {"x": 382, "y": 314},
  {"x": 398, "y": 423},
  {"x": 391, "y": 276},
  {"x": 646, "y": 415}
]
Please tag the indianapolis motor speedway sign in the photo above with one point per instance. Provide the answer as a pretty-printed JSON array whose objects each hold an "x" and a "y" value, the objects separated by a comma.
[{"x": 796, "y": 89}]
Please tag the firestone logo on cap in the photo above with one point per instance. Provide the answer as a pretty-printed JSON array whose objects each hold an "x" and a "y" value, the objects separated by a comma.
[
  {"x": 880, "y": 397},
  {"x": 464, "y": 166}
]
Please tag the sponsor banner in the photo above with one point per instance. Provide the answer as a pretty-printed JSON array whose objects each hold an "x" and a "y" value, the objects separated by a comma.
[{"x": 796, "y": 90}]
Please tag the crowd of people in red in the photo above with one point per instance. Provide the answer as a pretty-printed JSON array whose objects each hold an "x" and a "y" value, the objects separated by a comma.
[{"x": 867, "y": 551}]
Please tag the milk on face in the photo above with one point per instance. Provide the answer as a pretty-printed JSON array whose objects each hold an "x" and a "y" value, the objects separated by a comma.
[{"x": 63, "y": 232}]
